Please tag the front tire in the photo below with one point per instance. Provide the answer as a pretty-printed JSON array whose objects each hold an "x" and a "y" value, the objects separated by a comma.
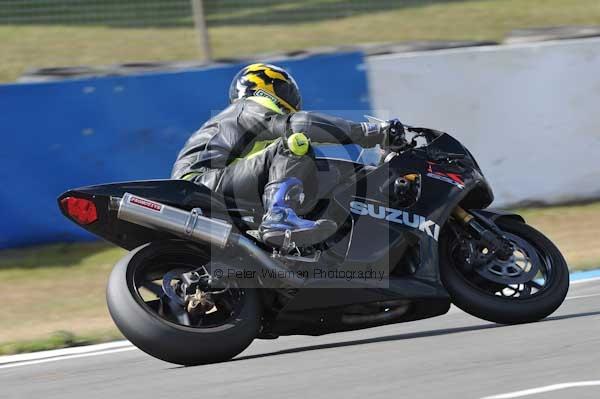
[
  {"x": 167, "y": 340},
  {"x": 499, "y": 309}
]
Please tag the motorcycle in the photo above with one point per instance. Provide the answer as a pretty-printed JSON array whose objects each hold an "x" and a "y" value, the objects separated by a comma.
[{"x": 415, "y": 235}]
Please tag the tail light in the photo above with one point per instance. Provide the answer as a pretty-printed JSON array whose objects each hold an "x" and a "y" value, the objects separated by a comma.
[{"x": 83, "y": 211}]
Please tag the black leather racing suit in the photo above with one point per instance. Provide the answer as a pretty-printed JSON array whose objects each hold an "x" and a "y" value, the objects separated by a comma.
[{"x": 217, "y": 154}]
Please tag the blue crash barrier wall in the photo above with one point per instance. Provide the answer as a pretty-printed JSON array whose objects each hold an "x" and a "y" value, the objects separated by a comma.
[{"x": 62, "y": 135}]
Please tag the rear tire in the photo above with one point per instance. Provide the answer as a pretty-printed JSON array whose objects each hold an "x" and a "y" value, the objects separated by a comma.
[
  {"x": 508, "y": 310},
  {"x": 164, "y": 339}
]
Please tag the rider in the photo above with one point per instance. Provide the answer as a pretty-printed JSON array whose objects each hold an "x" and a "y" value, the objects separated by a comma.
[{"x": 260, "y": 146}]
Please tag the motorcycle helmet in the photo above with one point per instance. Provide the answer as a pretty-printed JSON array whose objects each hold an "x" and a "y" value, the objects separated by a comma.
[{"x": 270, "y": 81}]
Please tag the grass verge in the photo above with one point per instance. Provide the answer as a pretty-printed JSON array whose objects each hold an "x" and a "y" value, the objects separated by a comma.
[
  {"x": 53, "y": 296},
  {"x": 58, "y": 340},
  {"x": 574, "y": 229},
  {"x": 261, "y": 27},
  {"x": 55, "y": 288}
]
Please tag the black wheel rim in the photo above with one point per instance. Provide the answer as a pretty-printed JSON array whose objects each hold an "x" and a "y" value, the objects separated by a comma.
[
  {"x": 147, "y": 281},
  {"x": 525, "y": 251}
]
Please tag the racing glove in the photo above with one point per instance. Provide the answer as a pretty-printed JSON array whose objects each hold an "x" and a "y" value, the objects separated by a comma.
[{"x": 387, "y": 133}]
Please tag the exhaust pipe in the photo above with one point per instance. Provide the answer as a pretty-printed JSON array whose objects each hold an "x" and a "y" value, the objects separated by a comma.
[
  {"x": 190, "y": 225},
  {"x": 193, "y": 226},
  {"x": 277, "y": 271}
]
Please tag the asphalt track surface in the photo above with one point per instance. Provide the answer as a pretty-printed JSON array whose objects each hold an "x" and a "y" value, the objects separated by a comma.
[{"x": 452, "y": 356}]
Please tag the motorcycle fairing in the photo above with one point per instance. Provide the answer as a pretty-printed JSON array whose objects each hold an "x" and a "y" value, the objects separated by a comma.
[
  {"x": 380, "y": 244},
  {"x": 373, "y": 238}
]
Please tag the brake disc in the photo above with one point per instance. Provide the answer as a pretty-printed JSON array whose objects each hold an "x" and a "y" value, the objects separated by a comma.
[
  {"x": 522, "y": 266},
  {"x": 169, "y": 289}
]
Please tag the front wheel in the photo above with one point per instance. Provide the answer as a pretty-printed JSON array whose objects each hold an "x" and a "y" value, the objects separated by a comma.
[
  {"x": 158, "y": 297},
  {"x": 527, "y": 287}
]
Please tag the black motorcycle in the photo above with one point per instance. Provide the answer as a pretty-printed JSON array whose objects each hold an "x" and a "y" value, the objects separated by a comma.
[{"x": 414, "y": 236}]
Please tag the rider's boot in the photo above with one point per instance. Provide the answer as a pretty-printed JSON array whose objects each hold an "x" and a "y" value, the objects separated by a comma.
[{"x": 280, "y": 200}]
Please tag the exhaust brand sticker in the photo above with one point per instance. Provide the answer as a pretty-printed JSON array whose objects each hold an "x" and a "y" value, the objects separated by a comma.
[
  {"x": 146, "y": 204},
  {"x": 408, "y": 219}
]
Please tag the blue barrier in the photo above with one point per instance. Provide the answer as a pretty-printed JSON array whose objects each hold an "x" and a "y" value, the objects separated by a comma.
[{"x": 67, "y": 134}]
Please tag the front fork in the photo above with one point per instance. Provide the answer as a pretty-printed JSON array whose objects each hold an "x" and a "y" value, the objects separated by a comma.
[{"x": 486, "y": 232}]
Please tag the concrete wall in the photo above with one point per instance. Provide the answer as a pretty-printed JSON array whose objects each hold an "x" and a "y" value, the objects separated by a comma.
[{"x": 530, "y": 113}]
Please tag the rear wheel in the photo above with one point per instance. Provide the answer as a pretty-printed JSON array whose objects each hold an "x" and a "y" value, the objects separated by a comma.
[
  {"x": 527, "y": 287},
  {"x": 161, "y": 297}
]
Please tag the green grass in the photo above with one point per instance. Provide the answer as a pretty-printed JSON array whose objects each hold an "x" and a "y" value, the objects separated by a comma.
[
  {"x": 264, "y": 26},
  {"x": 53, "y": 296},
  {"x": 55, "y": 288},
  {"x": 574, "y": 229},
  {"x": 57, "y": 340}
]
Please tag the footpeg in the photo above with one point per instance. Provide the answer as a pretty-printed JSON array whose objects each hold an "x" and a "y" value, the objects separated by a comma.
[{"x": 287, "y": 241}]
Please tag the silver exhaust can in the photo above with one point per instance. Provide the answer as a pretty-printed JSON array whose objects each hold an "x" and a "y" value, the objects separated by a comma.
[{"x": 190, "y": 225}]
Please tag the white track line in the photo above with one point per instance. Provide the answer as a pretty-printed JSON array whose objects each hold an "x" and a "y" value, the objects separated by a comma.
[
  {"x": 586, "y": 280},
  {"x": 548, "y": 388},
  {"x": 54, "y": 359},
  {"x": 63, "y": 352},
  {"x": 581, "y": 296}
]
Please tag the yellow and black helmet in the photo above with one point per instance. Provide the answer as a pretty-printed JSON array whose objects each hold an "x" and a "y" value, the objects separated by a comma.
[{"x": 269, "y": 81}]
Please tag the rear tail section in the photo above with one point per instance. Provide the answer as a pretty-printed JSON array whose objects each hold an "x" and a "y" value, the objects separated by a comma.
[{"x": 97, "y": 209}]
